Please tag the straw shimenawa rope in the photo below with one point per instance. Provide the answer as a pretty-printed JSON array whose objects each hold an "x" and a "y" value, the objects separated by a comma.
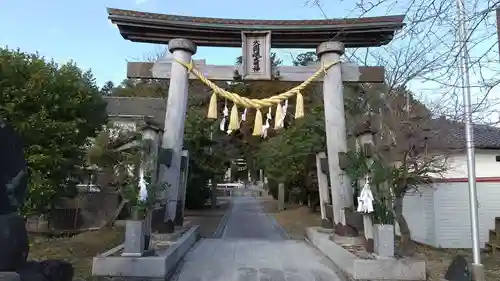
[{"x": 254, "y": 103}]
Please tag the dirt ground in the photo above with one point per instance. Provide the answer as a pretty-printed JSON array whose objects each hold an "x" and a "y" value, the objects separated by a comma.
[
  {"x": 296, "y": 218},
  {"x": 208, "y": 219},
  {"x": 80, "y": 249},
  {"x": 438, "y": 261}
]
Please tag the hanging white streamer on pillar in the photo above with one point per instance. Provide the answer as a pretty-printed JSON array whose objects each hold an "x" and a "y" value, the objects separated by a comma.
[
  {"x": 143, "y": 191},
  {"x": 365, "y": 199}
]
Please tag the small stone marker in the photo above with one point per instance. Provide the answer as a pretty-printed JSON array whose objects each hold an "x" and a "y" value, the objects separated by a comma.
[
  {"x": 134, "y": 238},
  {"x": 458, "y": 270},
  {"x": 281, "y": 197}
]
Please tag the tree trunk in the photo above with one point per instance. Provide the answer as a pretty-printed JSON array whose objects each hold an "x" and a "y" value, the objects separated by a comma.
[
  {"x": 110, "y": 221},
  {"x": 406, "y": 243}
]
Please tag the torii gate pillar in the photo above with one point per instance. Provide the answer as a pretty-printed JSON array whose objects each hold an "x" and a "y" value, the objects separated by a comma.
[
  {"x": 335, "y": 127},
  {"x": 172, "y": 141}
]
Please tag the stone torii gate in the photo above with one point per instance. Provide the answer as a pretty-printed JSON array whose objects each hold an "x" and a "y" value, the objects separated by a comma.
[{"x": 256, "y": 37}]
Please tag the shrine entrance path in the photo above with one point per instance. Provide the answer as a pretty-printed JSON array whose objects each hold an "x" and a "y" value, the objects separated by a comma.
[{"x": 254, "y": 247}]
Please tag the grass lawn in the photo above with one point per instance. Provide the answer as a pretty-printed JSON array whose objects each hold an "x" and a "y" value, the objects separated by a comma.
[
  {"x": 294, "y": 219},
  {"x": 79, "y": 249},
  {"x": 438, "y": 261}
]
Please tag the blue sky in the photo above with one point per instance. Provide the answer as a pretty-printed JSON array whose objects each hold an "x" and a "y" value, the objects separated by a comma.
[
  {"x": 80, "y": 30},
  {"x": 66, "y": 30}
]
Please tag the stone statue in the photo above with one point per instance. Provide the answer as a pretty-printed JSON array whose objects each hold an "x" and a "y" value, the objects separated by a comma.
[{"x": 14, "y": 242}]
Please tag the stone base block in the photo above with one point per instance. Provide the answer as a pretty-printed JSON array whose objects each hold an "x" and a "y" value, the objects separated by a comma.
[
  {"x": 346, "y": 230},
  {"x": 158, "y": 223},
  {"x": 158, "y": 266},
  {"x": 326, "y": 223},
  {"x": 366, "y": 269},
  {"x": 370, "y": 245}
]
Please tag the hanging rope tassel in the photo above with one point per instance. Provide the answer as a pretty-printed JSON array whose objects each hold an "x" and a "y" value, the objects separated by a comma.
[
  {"x": 234, "y": 123},
  {"x": 257, "y": 127},
  {"x": 299, "y": 106},
  {"x": 212, "y": 108},
  {"x": 278, "y": 116}
]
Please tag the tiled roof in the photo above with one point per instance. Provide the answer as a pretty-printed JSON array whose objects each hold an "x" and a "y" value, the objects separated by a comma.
[
  {"x": 137, "y": 107},
  {"x": 225, "y": 21},
  {"x": 161, "y": 28},
  {"x": 452, "y": 135}
]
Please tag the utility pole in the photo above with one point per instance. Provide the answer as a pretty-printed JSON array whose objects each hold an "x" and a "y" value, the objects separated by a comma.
[{"x": 477, "y": 267}]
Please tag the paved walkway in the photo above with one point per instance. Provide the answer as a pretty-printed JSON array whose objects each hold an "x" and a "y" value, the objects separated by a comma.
[{"x": 254, "y": 248}]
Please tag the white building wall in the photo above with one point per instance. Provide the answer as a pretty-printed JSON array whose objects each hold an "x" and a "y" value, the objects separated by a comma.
[
  {"x": 486, "y": 165},
  {"x": 439, "y": 215},
  {"x": 418, "y": 210},
  {"x": 452, "y": 219}
]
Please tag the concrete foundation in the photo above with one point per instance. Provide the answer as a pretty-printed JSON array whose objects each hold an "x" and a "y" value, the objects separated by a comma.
[
  {"x": 156, "y": 267},
  {"x": 366, "y": 269},
  {"x": 326, "y": 223}
]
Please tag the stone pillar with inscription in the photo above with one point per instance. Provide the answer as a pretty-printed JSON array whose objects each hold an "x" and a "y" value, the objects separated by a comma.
[
  {"x": 172, "y": 141},
  {"x": 336, "y": 138}
]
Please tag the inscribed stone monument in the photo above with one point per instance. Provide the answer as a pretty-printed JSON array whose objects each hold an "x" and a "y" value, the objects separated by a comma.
[
  {"x": 14, "y": 244},
  {"x": 13, "y": 237}
]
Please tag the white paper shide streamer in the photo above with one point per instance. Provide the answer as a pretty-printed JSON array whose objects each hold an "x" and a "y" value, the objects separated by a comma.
[
  {"x": 365, "y": 199},
  {"x": 266, "y": 126},
  {"x": 280, "y": 123},
  {"x": 244, "y": 116},
  {"x": 143, "y": 191},
  {"x": 225, "y": 114}
]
